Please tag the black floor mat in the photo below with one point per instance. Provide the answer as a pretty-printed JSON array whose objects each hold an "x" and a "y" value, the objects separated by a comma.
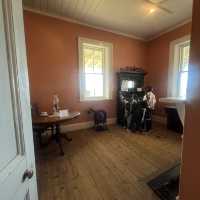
[{"x": 166, "y": 185}]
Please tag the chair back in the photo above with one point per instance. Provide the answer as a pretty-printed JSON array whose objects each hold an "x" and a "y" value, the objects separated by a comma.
[{"x": 35, "y": 110}]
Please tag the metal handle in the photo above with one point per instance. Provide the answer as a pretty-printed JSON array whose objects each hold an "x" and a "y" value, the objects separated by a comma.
[{"x": 28, "y": 174}]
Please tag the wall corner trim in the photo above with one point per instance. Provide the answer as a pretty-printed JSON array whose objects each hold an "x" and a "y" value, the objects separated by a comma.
[{"x": 170, "y": 29}]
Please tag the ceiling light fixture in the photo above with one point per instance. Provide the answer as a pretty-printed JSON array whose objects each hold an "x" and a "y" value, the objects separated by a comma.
[
  {"x": 159, "y": 4},
  {"x": 152, "y": 10},
  {"x": 156, "y": 1}
]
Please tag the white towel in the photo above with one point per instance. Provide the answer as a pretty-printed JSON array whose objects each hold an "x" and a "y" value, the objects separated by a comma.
[{"x": 151, "y": 100}]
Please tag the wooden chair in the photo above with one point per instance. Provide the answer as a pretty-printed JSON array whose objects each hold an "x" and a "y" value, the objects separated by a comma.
[{"x": 39, "y": 130}]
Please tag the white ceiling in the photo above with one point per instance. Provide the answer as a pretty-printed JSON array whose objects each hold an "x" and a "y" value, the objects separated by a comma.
[{"x": 130, "y": 17}]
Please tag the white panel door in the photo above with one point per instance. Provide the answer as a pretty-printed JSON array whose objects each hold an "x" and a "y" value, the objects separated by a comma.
[{"x": 17, "y": 162}]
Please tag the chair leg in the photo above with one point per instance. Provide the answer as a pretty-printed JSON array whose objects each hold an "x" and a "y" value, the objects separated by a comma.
[
  {"x": 40, "y": 138},
  {"x": 59, "y": 142}
]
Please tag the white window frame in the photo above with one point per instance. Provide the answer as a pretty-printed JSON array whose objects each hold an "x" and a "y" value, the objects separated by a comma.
[
  {"x": 107, "y": 70},
  {"x": 174, "y": 65}
]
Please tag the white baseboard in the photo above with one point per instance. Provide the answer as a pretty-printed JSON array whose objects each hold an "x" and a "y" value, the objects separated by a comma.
[
  {"x": 160, "y": 119},
  {"x": 110, "y": 121},
  {"x": 83, "y": 125}
]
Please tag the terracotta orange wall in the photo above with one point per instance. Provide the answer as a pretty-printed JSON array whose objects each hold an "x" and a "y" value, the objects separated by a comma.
[
  {"x": 52, "y": 51},
  {"x": 158, "y": 61}
]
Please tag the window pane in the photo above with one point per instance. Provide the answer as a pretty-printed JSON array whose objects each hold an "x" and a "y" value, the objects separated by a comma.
[
  {"x": 94, "y": 85},
  {"x": 88, "y": 60},
  {"x": 185, "y": 58},
  {"x": 98, "y": 61},
  {"x": 183, "y": 84}
]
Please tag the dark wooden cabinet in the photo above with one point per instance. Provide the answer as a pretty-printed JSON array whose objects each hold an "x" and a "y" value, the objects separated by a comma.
[{"x": 138, "y": 79}]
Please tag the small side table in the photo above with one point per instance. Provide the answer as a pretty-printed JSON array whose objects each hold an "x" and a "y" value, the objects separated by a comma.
[{"x": 55, "y": 122}]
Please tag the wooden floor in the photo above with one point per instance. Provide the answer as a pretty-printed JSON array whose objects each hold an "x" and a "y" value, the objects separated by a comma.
[{"x": 113, "y": 165}]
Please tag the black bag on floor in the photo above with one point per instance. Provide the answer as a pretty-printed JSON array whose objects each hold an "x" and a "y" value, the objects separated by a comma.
[{"x": 100, "y": 119}]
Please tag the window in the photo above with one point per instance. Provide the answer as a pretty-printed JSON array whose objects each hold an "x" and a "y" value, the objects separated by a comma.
[
  {"x": 179, "y": 66},
  {"x": 95, "y": 61},
  {"x": 183, "y": 69}
]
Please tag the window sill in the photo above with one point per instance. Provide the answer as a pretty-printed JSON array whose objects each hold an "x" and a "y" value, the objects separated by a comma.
[{"x": 172, "y": 100}]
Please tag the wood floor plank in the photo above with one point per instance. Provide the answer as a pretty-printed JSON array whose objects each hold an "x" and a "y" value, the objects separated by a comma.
[{"x": 111, "y": 165}]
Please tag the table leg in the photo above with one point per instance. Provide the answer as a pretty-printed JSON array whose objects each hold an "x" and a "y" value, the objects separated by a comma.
[
  {"x": 58, "y": 139},
  {"x": 41, "y": 143},
  {"x": 40, "y": 138}
]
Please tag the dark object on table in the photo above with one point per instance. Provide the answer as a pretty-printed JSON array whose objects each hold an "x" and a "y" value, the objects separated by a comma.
[
  {"x": 173, "y": 121},
  {"x": 100, "y": 119},
  {"x": 166, "y": 185},
  {"x": 55, "y": 122}
]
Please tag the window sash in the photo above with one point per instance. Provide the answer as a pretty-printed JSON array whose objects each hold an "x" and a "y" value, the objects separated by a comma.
[
  {"x": 181, "y": 59},
  {"x": 174, "y": 65},
  {"x": 101, "y": 49},
  {"x": 94, "y": 73},
  {"x": 106, "y": 49},
  {"x": 181, "y": 86},
  {"x": 95, "y": 90}
]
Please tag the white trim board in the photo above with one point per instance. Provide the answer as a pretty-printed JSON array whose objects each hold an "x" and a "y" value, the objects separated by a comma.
[
  {"x": 170, "y": 29},
  {"x": 82, "y": 23},
  {"x": 83, "y": 125},
  {"x": 110, "y": 121},
  {"x": 106, "y": 29}
]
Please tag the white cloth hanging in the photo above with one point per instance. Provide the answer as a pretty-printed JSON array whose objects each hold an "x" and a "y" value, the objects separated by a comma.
[{"x": 151, "y": 100}]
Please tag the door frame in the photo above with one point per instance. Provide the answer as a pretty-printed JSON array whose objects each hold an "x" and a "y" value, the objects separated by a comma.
[{"x": 18, "y": 72}]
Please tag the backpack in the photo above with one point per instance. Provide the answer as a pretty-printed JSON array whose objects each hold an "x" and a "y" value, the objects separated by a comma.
[{"x": 100, "y": 119}]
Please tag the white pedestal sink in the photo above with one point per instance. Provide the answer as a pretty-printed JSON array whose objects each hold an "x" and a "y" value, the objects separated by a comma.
[{"x": 179, "y": 103}]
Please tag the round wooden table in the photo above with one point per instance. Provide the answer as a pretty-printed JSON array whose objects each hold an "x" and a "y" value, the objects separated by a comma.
[{"x": 54, "y": 122}]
